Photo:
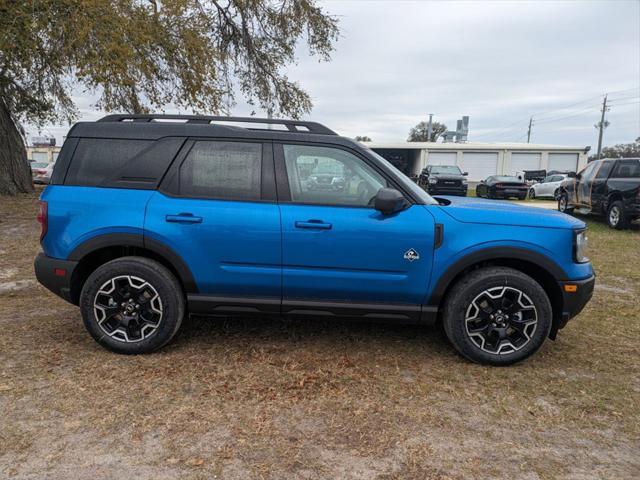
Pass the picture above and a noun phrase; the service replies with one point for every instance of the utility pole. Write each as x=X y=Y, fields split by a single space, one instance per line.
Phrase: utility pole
x=601 y=126
x=430 y=127
x=529 y=131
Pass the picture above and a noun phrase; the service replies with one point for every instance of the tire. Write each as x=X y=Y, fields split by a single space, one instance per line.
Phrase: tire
x=462 y=315
x=616 y=217
x=532 y=194
x=563 y=203
x=108 y=305
x=556 y=194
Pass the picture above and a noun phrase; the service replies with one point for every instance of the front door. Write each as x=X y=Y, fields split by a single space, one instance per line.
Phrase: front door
x=584 y=183
x=217 y=210
x=336 y=248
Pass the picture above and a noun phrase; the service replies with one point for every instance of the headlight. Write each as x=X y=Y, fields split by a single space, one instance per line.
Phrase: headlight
x=580 y=247
x=433 y=181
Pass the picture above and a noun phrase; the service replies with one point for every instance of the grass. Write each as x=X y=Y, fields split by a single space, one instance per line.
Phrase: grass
x=247 y=398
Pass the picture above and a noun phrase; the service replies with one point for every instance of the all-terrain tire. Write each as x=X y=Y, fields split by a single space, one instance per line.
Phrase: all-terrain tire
x=616 y=217
x=563 y=203
x=461 y=301
x=132 y=279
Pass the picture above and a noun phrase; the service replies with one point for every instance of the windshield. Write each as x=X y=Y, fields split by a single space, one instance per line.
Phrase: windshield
x=446 y=169
x=406 y=181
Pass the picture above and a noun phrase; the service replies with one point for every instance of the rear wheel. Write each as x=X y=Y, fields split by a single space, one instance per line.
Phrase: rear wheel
x=497 y=316
x=563 y=203
x=616 y=217
x=132 y=305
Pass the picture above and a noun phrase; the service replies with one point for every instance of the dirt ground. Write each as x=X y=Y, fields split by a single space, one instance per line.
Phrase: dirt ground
x=253 y=399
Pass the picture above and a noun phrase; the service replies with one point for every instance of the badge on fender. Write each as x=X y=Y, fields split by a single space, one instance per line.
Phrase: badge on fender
x=411 y=255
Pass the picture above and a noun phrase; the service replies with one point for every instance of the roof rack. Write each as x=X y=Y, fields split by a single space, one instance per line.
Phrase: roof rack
x=294 y=126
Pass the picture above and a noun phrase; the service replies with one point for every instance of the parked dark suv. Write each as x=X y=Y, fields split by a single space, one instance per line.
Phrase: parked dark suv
x=146 y=221
x=444 y=180
x=610 y=186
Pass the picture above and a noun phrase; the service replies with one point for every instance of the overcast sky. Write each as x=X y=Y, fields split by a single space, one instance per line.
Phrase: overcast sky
x=498 y=62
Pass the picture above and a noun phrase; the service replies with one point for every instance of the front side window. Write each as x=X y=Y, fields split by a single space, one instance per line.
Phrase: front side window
x=223 y=170
x=330 y=176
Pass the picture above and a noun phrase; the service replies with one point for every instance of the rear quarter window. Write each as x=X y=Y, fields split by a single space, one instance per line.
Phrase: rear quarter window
x=95 y=160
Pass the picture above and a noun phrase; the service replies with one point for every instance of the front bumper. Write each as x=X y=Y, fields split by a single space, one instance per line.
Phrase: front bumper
x=55 y=275
x=574 y=302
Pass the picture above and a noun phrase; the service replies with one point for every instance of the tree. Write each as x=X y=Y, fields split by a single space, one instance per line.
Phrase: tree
x=363 y=138
x=140 y=55
x=419 y=132
x=622 y=150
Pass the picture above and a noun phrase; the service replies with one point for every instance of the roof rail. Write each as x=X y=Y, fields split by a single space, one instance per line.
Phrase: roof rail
x=294 y=126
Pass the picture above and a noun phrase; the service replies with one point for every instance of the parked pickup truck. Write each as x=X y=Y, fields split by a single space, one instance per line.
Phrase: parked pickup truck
x=150 y=218
x=610 y=186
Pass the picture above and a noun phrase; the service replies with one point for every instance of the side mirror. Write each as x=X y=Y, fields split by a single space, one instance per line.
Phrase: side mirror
x=572 y=175
x=389 y=201
x=465 y=173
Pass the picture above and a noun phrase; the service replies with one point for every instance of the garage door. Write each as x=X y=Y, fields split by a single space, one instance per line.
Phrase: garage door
x=563 y=161
x=441 y=158
x=524 y=161
x=480 y=165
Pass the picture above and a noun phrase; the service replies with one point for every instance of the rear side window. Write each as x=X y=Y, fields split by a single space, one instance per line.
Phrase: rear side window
x=627 y=169
x=224 y=170
x=96 y=159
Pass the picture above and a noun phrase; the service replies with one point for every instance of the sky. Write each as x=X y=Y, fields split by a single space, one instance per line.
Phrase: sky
x=498 y=62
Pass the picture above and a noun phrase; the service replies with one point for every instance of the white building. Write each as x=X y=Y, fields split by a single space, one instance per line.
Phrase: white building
x=482 y=159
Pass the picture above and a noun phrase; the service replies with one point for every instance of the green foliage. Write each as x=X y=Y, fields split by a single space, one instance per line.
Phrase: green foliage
x=419 y=132
x=622 y=150
x=363 y=138
x=139 y=55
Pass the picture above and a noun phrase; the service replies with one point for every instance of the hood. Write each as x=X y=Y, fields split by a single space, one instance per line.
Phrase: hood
x=478 y=210
x=447 y=176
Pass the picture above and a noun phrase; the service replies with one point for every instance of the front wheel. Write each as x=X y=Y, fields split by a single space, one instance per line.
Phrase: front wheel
x=132 y=305
x=616 y=217
x=563 y=203
x=497 y=316
x=532 y=194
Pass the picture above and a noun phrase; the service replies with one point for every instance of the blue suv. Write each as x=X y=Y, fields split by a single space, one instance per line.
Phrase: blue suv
x=149 y=218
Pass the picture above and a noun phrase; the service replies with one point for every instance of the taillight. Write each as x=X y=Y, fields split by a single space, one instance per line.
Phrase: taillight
x=43 y=218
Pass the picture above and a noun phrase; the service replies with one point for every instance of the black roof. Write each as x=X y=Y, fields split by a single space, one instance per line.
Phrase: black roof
x=153 y=127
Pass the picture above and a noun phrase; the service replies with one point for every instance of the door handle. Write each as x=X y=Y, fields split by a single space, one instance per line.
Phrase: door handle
x=183 y=218
x=314 y=225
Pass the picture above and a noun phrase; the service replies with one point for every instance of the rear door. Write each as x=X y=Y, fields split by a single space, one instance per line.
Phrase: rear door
x=217 y=210
x=599 y=189
x=337 y=249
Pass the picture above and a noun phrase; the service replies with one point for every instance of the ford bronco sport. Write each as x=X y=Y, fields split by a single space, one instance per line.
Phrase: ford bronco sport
x=149 y=218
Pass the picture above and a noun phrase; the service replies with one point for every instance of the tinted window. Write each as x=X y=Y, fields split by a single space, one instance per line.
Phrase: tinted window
x=557 y=178
x=604 y=170
x=627 y=169
x=330 y=176
x=228 y=170
x=96 y=160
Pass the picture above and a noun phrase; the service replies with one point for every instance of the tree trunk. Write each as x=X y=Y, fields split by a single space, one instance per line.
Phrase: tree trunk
x=15 y=173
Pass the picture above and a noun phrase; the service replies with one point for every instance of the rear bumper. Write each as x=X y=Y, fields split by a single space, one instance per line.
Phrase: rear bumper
x=574 y=302
x=55 y=275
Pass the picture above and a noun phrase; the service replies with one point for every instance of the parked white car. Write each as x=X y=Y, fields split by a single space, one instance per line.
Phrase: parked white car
x=43 y=175
x=547 y=188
